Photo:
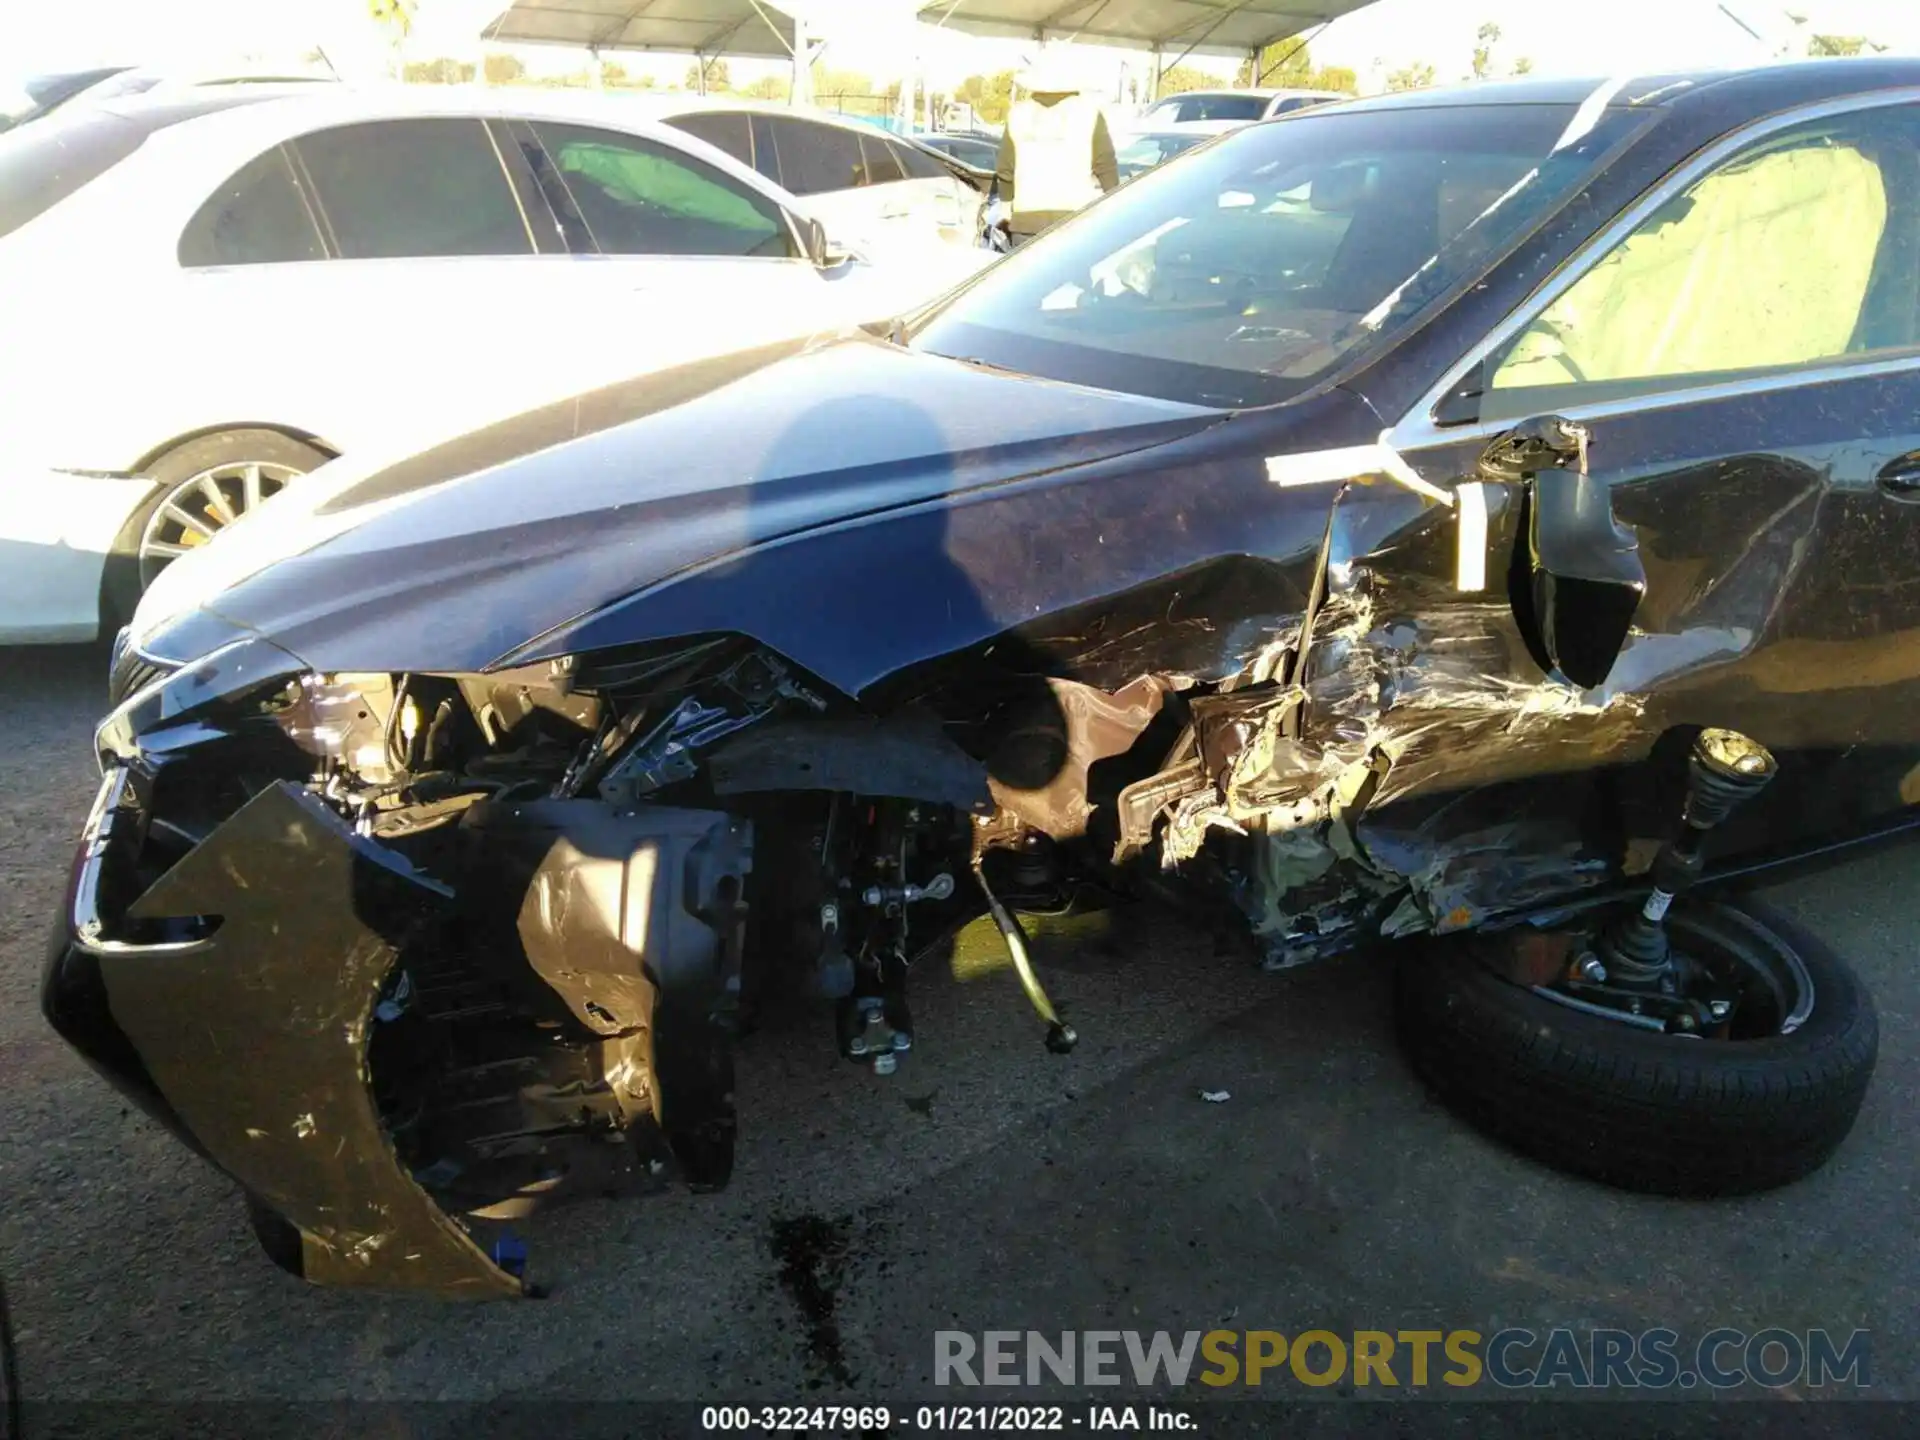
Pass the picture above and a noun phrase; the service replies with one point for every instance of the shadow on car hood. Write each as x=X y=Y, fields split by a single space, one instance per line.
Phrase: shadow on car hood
x=452 y=558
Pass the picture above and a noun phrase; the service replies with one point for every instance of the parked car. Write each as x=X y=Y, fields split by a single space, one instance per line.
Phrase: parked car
x=293 y=272
x=1238 y=107
x=1489 y=581
x=36 y=95
x=40 y=95
x=977 y=152
x=886 y=194
x=1143 y=152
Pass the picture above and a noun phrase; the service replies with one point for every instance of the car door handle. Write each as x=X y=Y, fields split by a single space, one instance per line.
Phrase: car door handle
x=1902 y=477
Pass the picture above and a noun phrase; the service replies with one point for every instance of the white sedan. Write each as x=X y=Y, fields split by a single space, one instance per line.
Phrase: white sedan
x=210 y=295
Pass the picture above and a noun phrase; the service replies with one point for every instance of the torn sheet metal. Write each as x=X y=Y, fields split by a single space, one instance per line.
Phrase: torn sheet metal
x=1085 y=725
x=633 y=920
x=258 y=1037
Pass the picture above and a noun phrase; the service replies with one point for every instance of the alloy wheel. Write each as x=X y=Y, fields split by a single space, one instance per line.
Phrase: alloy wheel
x=203 y=505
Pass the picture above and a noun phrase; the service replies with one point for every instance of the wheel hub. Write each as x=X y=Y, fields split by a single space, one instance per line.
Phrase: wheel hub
x=202 y=505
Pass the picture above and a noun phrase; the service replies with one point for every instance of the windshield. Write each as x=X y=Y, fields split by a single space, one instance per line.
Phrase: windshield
x=1182 y=109
x=1255 y=267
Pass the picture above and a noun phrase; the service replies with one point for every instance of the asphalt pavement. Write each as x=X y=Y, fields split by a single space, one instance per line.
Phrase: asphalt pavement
x=987 y=1186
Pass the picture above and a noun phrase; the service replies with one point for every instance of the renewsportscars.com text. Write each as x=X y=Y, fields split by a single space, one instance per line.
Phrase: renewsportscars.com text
x=1602 y=1359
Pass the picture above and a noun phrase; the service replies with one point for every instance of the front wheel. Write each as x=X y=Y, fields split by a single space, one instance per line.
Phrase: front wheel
x=204 y=486
x=1758 y=1100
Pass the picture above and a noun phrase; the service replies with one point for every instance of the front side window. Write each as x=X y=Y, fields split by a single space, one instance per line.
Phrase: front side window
x=412 y=188
x=917 y=164
x=724 y=130
x=766 y=149
x=639 y=197
x=257 y=217
x=818 y=159
x=1801 y=250
x=879 y=164
x=1263 y=262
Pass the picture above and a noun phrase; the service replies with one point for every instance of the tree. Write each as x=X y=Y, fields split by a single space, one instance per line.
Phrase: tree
x=396 y=18
x=990 y=96
x=840 y=82
x=437 y=72
x=716 y=68
x=769 y=87
x=1840 y=45
x=1523 y=66
x=1417 y=76
x=1287 y=65
x=1178 y=79
x=503 y=70
x=1488 y=35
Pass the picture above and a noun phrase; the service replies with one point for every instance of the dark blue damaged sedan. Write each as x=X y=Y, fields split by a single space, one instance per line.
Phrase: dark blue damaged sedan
x=1481 y=521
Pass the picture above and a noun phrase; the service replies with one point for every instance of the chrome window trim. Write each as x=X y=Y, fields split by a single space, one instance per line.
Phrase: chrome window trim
x=1416 y=429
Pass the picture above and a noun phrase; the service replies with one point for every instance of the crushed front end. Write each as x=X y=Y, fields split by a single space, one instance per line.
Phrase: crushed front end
x=383 y=949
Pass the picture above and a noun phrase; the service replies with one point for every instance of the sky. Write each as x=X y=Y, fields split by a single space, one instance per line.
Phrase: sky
x=878 y=37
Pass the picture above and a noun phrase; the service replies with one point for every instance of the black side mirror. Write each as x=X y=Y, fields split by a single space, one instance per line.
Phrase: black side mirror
x=1576 y=579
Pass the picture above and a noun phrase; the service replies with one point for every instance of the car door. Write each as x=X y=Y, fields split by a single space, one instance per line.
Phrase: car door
x=1744 y=347
x=678 y=259
x=371 y=283
x=949 y=204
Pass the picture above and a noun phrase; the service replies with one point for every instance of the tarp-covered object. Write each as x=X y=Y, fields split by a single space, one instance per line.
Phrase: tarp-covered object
x=694 y=27
x=1199 y=27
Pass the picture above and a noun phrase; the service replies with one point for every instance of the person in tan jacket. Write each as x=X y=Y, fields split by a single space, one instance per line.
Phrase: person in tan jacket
x=1056 y=154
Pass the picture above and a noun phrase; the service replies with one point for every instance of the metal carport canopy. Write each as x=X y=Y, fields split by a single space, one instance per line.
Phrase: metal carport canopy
x=693 y=27
x=1191 y=27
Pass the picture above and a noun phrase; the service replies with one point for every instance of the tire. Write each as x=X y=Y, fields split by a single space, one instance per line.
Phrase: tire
x=179 y=471
x=1640 y=1110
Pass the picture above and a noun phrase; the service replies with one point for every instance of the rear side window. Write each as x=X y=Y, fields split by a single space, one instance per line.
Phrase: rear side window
x=412 y=188
x=43 y=163
x=880 y=165
x=815 y=159
x=730 y=133
x=257 y=217
x=639 y=197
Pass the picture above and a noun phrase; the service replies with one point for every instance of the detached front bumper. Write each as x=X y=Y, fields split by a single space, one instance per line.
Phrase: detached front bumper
x=247 y=1034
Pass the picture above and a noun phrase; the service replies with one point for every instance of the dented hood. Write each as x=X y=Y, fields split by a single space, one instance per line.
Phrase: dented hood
x=465 y=555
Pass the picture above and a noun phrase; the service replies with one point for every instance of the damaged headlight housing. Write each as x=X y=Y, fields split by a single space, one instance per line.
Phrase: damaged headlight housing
x=343 y=718
x=221 y=675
